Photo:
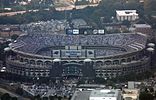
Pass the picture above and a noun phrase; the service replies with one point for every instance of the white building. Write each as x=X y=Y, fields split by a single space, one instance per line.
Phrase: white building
x=129 y=15
x=105 y=94
x=130 y=94
x=133 y=84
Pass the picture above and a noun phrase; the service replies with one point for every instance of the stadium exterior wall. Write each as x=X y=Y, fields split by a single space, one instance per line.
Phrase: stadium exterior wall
x=106 y=67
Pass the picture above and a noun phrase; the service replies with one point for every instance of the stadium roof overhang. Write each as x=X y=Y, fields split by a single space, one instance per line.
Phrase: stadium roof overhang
x=150 y=49
x=7 y=49
x=56 y=60
x=151 y=44
x=87 y=60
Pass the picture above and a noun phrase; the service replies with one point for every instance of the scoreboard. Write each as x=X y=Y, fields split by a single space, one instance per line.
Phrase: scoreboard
x=84 y=31
x=72 y=31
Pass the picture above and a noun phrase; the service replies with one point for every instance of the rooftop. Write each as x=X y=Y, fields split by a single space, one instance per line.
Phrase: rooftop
x=130 y=93
x=126 y=12
x=104 y=93
x=142 y=26
x=81 y=95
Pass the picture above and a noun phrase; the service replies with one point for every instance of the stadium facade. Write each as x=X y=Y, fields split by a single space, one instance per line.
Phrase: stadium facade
x=62 y=55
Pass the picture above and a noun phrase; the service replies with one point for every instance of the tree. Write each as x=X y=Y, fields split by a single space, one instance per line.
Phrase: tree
x=38 y=97
x=148 y=74
x=151 y=89
x=59 y=98
x=6 y=96
x=146 y=96
x=70 y=97
x=19 y=91
x=110 y=83
x=126 y=23
x=99 y=80
x=155 y=94
x=45 y=98
x=14 y=36
x=51 y=97
x=14 y=98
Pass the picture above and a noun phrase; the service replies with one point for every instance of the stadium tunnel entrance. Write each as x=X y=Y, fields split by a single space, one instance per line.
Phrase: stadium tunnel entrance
x=72 y=70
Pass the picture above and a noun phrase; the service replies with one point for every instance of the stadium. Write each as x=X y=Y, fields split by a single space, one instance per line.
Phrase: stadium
x=88 y=56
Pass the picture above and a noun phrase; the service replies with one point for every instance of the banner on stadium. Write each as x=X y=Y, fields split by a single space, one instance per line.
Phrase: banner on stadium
x=56 y=53
x=90 y=53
